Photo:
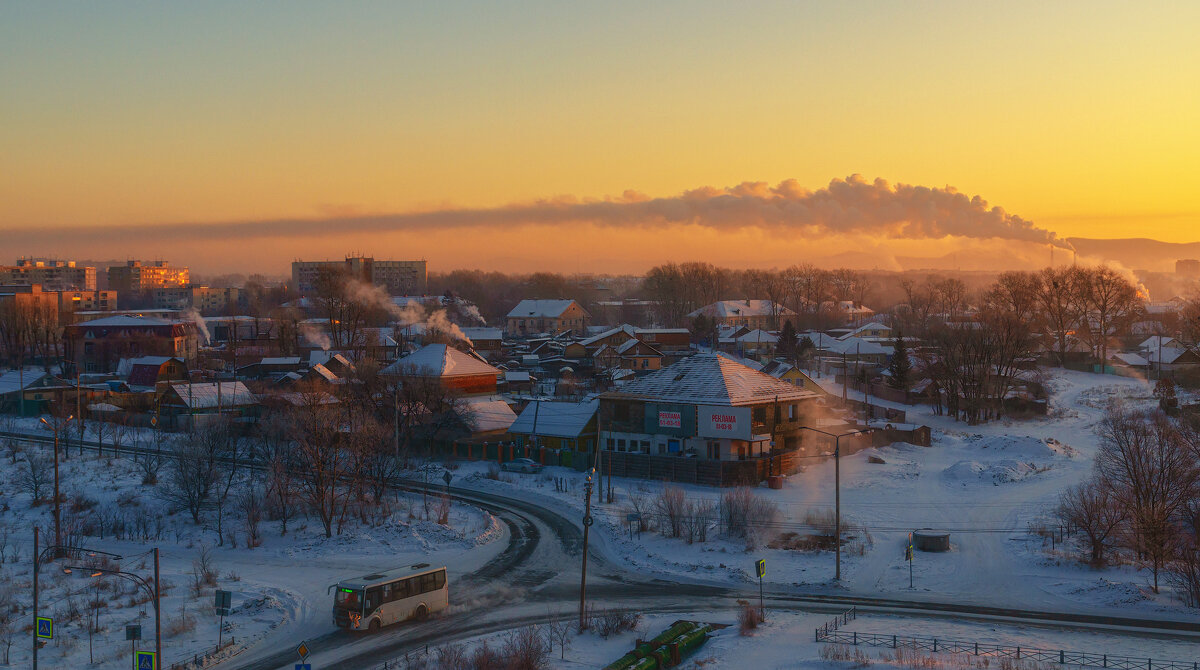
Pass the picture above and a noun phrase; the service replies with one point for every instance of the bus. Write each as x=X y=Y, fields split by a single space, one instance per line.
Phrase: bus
x=381 y=599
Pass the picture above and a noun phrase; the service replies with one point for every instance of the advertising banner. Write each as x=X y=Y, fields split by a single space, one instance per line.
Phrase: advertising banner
x=728 y=422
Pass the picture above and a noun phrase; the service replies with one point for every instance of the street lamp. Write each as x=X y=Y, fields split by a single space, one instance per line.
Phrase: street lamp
x=39 y=557
x=57 y=511
x=587 y=523
x=837 y=493
x=151 y=591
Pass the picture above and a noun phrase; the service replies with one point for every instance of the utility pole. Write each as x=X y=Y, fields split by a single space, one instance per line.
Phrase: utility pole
x=57 y=504
x=37 y=559
x=837 y=493
x=587 y=523
x=157 y=614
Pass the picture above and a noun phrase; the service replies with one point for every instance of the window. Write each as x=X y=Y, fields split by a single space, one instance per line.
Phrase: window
x=610 y=444
x=621 y=445
x=791 y=412
x=645 y=446
x=714 y=449
x=760 y=414
x=373 y=597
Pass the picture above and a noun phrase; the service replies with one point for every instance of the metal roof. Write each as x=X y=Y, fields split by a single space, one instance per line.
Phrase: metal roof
x=711 y=379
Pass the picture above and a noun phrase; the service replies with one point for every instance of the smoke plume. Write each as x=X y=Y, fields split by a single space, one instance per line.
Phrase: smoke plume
x=193 y=315
x=315 y=336
x=846 y=206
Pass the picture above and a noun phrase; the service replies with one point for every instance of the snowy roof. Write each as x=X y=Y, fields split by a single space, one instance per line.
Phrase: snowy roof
x=204 y=395
x=324 y=372
x=1169 y=355
x=10 y=380
x=516 y=376
x=123 y=320
x=712 y=379
x=280 y=360
x=321 y=356
x=874 y=325
x=626 y=328
x=735 y=308
x=1130 y=359
x=855 y=346
x=1156 y=341
x=547 y=309
x=480 y=333
x=484 y=415
x=758 y=336
x=440 y=360
x=555 y=419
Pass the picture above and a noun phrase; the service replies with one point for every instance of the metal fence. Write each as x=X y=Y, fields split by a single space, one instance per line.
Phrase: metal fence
x=829 y=632
x=831 y=626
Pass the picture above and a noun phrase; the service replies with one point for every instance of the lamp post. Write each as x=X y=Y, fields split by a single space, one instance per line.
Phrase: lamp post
x=587 y=523
x=837 y=493
x=38 y=557
x=57 y=510
x=152 y=592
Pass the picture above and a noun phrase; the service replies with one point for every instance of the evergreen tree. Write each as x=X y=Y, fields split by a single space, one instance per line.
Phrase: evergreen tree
x=787 y=339
x=900 y=366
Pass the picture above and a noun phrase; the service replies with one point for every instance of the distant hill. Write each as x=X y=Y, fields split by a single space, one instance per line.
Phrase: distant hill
x=1137 y=253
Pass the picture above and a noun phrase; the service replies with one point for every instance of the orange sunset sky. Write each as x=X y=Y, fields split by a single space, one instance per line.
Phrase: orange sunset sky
x=1078 y=118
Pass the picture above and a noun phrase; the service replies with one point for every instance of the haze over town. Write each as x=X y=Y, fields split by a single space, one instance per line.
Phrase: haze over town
x=519 y=336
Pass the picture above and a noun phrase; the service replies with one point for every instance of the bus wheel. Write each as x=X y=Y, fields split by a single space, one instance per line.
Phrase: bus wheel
x=373 y=627
x=422 y=613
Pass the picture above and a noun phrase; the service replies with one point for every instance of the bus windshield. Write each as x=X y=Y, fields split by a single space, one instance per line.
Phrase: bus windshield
x=348 y=599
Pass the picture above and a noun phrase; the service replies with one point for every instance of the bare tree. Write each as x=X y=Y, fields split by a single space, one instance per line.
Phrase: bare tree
x=193 y=471
x=35 y=476
x=560 y=630
x=1112 y=305
x=1091 y=507
x=324 y=440
x=1145 y=460
x=1061 y=297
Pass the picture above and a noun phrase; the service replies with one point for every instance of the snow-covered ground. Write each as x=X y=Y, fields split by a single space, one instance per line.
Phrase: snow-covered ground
x=986 y=484
x=277 y=587
x=787 y=640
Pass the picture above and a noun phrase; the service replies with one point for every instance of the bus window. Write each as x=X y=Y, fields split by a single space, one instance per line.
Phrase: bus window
x=373 y=598
x=441 y=579
x=388 y=593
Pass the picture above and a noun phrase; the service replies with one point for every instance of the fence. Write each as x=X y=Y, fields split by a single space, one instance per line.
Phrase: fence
x=831 y=626
x=829 y=632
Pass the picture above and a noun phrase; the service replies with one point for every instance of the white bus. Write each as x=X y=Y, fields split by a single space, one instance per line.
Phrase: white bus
x=383 y=598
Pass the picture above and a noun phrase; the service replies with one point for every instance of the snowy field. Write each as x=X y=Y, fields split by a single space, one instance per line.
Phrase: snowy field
x=278 y=587
x=987 y=484
x=786 y=641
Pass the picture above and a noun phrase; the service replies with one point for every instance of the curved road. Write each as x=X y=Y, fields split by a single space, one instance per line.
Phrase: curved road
x=539 y=571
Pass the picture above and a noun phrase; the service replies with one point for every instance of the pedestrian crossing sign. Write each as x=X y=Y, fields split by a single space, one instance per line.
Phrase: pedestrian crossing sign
x=45 y=627
x=145 y=660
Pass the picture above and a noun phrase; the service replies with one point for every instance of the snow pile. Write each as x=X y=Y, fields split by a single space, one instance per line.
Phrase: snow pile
x=999 y=472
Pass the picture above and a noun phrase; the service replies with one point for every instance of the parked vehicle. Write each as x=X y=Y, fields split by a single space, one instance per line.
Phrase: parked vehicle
x=526 y=465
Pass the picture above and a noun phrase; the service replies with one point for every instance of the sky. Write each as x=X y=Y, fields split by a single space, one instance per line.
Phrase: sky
x=1078 y=117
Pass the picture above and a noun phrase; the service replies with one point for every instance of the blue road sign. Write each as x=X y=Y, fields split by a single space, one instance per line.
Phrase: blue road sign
x=304 y=666
x=144 y=660
x=45 y=627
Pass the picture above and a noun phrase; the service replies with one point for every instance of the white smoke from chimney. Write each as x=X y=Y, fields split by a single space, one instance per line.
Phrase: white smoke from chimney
x=193 y=315
x=315 y=336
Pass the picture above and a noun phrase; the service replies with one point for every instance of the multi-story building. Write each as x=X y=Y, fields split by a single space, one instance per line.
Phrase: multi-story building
x=206 y=299
x=531 y=317
x=51 y=275
x=398 y=277
x=1188 y=267
x=707 y=406
x=749 y=313
x=137 y=278
x=100 y=344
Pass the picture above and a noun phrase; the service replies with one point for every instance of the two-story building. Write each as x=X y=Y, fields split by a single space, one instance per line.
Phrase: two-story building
x=705 y=406
x=531 y=317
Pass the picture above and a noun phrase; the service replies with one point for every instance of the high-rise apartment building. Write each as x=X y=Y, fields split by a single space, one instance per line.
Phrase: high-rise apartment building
x=51 y=275
x=138 y=277
x=398 y=277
